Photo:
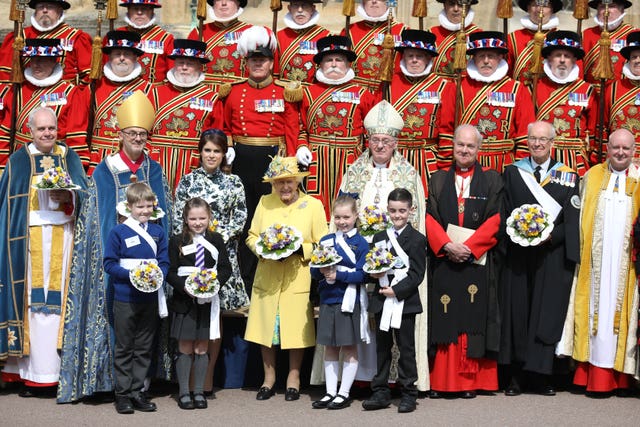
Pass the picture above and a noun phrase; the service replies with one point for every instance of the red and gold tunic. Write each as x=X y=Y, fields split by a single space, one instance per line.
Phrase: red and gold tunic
x=62 y=97
x=520 y=44
x=107 y=98
x=332 y=119
x=419 y=101
x=590 y=38
x=76 y=62
x=222 y=43
x=296 y=48
x=621 y=106
x=157 y=44
x=501 y=111
x=367 y=38
x=181 y=116
x=446 y=45
x=572 y=110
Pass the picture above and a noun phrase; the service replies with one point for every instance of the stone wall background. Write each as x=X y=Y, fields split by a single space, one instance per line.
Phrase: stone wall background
x=178 y=16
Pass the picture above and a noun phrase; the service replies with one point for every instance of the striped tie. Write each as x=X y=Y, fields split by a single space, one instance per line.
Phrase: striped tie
x=199 y=255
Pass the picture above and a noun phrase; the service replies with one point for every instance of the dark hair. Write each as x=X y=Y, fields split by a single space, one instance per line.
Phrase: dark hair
x=400 y=195
x=195 y=202
x=346 y=200
x=216 y=137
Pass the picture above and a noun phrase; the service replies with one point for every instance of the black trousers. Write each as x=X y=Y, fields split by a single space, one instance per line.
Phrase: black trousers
x=135 y=326
x=407 y=369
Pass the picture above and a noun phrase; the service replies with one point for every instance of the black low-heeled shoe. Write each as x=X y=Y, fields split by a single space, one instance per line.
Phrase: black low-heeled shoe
x=185 y=402
x=199 y=401
x=265 y=393
x=291 y=394
x=343 y=403
x=323 y=402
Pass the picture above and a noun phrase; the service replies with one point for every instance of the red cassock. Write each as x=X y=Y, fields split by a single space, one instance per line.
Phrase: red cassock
x=420 y=101
x=622 y=103
x=332 y=120
x=367 y=38
x=76 y=62
x=590 y=38
x=501 y=111
x=446 y=45
x=156 y=44
x=572 y=109
x=182 y=114
x=108 y=97
x=520 y=44
x=62 y=97
x=296 y=48
x=222 y=44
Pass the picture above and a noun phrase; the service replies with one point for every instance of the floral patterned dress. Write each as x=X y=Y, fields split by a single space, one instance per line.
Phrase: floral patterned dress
x=225 y=195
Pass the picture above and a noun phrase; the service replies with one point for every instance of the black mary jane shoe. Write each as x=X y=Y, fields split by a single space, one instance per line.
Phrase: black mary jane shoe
x=344 y=402
x=323 y=402
x=265 y=393
x=185 y=402
x=291 y=394
x=199 y=401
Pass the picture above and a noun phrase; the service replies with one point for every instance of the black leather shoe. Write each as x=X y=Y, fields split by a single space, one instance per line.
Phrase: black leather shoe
x=291 y=394
x=434 y=394
x=513 y=389
x=323 y=402
x=339 y=402
x=124 y=405
x=378 y=400
x=199 y=401
x=469 y=394
x=407 y=404
x=185 y=402
x=265 y=393
x=142 y=404
x=547 y=390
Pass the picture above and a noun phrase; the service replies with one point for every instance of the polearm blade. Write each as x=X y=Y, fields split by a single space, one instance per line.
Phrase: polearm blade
x=276 y=6
x=18 y=8
x=580 y=12
x=504 y=11
x=603 y=71
x=348 y=10
x=96 y=68
x=201 y=13
x=419 y=11
x=536 y=55
x=460 y=59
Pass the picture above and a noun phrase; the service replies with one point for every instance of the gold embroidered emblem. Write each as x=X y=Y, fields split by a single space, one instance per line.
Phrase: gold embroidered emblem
x=297 y=61
x=558 y=111
x=413 y=121
x=331 y=109
x=561 y=125
x=47 y=162
x=179 y=112
x=223 y=53
x=11 y=337
x=632 y=111
x=485 y=111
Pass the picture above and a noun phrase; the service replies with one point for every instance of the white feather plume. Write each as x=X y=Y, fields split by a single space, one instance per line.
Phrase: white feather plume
x=254 y=37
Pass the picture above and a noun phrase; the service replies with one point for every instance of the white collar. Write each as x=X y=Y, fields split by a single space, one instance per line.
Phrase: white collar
x=360 y=11
x=543 y=166
x=571 y=77
x=611 y=25
x=399 y=232
x=498 y=74
x=108 y=73
x=54 y=78
x=406 y=72
x=211 y=15
x=289 y=22
x=39 y=27
x=626 y=70
x=34 y=150
x=149 y=24
x=322 y=79
x=349 y=233
x=444 y=21
x=530 y=25
x=172 y=79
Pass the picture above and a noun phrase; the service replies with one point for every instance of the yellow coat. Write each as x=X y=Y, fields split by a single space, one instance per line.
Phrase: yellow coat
x=284 y=284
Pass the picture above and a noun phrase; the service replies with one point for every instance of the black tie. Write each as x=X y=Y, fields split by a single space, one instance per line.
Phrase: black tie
x=537 y=173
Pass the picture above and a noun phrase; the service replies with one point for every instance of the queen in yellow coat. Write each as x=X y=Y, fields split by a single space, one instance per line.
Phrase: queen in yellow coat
x=280 y=312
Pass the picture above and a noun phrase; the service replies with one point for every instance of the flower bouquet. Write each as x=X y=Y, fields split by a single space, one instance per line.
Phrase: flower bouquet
x=123 y=209
x=55 y=178
x=278 y=241
x=146 y=276
x=378 y=260
x=324 y=256
x=372 y=221
x=529 y=225
x=202 y=283
x=213 y=225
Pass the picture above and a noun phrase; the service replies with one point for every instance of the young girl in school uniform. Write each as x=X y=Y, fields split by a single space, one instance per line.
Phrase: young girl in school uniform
x=192 y=318
x=342 y=296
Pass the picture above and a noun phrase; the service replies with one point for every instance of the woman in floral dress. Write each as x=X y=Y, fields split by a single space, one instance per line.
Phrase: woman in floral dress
x=225 y=195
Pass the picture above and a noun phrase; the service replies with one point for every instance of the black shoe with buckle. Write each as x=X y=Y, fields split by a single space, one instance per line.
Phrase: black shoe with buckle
x=323 y=402
x=291 y=394
x=407 y=404
x=378 y=400
x=124 y=405
x=185 y=402
x=141 y=403
x=199 y=401
x=265 y=393
x=339 y=402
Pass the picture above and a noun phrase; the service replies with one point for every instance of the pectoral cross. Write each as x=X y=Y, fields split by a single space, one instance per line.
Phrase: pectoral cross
x=445 y=300
x=472 y=289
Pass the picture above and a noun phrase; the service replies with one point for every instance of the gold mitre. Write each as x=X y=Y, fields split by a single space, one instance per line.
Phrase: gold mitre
x=136 y=111
x=383 y=119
